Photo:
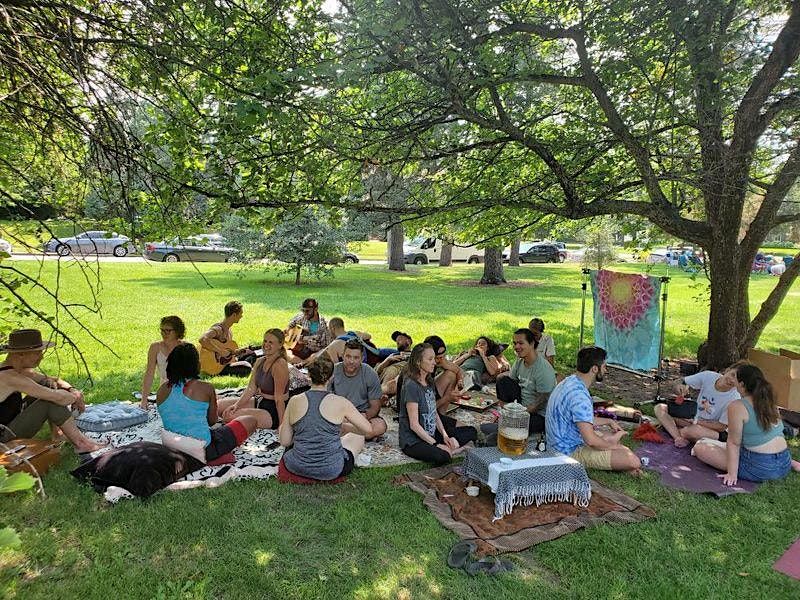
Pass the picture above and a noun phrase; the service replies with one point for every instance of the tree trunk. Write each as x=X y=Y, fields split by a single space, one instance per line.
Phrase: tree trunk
x=395 y=238
x=446 y=259
x=771 y=305
x=729 y=314
x=297 y=273
x=493 y=266
x=513 y=259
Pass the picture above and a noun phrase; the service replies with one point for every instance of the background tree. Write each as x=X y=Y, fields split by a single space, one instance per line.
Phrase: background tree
x=674 y=112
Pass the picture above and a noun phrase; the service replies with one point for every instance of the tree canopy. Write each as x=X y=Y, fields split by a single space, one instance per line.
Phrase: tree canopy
x=493 y=114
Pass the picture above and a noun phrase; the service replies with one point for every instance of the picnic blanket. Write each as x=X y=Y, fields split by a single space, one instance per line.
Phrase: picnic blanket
x=682 y=471
x=471 y=518
x=256 y=458
x=789 y=563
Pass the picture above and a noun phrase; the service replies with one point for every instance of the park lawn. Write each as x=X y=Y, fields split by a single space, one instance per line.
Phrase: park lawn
x=367 y=538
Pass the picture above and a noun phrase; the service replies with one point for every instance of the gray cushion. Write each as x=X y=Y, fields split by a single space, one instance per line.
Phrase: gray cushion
x=110 y=415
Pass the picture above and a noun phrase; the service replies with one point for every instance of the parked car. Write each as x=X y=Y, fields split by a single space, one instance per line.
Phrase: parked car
x=5 y=246
x=539 y=252
x=92 y=242
x=205 y=248
x=348 y=258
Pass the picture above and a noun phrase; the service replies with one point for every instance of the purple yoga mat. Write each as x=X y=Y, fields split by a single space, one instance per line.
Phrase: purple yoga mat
x=682 y=471
x=789 y=563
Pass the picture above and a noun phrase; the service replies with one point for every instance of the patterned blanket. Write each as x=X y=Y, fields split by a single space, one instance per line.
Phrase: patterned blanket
x=258 y=457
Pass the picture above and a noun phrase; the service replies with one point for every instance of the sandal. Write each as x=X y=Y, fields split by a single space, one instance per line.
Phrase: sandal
x=460 y=553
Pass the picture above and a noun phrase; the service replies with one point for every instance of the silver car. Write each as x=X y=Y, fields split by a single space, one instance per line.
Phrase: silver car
x=92 y=242
x=210 y=248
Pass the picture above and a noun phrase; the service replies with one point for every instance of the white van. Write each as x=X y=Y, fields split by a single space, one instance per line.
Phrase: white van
x=421 y=251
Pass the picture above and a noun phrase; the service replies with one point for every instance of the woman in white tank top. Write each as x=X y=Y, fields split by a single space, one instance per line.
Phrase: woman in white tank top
x=172 y=333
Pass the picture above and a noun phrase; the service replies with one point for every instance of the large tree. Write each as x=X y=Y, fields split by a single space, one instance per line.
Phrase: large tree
x=680 y=112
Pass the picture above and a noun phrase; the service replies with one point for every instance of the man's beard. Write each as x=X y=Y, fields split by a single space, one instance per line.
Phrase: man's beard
x=403 y=347
x=599 y=377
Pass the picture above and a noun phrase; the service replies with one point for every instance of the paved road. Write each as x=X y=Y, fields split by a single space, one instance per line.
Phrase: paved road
x=124 y=259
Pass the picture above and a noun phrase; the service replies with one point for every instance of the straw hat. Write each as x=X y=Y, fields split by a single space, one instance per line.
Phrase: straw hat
x=25 y=340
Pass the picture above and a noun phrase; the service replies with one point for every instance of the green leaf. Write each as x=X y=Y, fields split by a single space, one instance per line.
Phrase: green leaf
x=9 y=538
x=15 y=483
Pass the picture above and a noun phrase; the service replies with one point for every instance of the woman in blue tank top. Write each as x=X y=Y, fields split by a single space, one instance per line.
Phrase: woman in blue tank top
x=311 y=429
x=188 y=406
x=756 y=449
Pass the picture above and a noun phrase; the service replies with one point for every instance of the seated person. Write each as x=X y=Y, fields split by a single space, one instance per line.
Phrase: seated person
x=542 y=342
x=778 y=267
x=423 y=434
x=172 y=332
x=359 y=383
x=266 y=393
x=756 y=449
x=188 y=406
x=448 y=378
x=311 y=431
x=570 y=420
x=530 y=380
x=315 y=333
x=395 y=362
x=340 y=335
x=716 y=392
x=402 y=341
x=47 y=399
x=219 y=353
x=485 y=358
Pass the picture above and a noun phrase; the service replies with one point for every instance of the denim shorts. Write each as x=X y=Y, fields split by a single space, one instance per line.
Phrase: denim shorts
x=757 y=466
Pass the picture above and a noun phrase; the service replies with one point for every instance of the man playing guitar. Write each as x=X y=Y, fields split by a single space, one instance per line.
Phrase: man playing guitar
x=219 y=353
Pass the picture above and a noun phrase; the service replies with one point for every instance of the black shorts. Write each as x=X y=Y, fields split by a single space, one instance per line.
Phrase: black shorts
x=223 y=440
x=723 y=436
x=349 y=463
x=269 y=406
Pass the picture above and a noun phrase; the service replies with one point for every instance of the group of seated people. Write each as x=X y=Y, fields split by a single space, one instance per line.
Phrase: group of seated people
x=324 y=425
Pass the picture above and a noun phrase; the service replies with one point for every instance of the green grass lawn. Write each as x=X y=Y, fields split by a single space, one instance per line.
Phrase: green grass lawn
x=367 y=538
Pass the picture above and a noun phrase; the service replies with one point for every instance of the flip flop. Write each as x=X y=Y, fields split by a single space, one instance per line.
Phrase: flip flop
x=459 y=553
x=490 y=565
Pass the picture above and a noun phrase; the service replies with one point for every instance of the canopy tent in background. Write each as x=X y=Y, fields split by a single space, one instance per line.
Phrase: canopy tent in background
x=627 y=320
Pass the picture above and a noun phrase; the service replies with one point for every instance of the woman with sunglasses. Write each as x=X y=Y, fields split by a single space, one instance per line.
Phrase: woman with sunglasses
x=172 y=333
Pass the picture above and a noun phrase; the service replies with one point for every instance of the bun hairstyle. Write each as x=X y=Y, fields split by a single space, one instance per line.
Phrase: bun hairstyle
x=320 y=369
x=761 y=394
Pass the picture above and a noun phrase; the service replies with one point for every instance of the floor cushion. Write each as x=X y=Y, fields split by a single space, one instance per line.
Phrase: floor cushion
x=286 y=476
x=110 y=415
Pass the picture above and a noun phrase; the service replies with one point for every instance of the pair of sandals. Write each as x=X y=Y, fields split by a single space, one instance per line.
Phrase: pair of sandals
x=460 y=557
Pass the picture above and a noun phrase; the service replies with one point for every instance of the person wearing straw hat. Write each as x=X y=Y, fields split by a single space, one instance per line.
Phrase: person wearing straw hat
x=46 y=398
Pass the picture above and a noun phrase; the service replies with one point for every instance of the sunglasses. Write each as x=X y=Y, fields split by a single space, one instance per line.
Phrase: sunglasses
x=165 y=330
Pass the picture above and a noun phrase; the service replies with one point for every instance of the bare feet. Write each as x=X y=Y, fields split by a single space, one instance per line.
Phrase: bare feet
x=680 y=442
x=796 y=466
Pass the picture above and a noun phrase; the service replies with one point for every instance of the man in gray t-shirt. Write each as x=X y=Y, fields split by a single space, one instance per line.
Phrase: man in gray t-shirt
x=359 y=383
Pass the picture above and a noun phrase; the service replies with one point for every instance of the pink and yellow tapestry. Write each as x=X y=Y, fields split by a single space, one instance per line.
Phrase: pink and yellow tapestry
x=627 y=321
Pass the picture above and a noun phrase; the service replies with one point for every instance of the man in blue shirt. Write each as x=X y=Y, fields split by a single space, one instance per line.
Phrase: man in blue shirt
x=570 y=420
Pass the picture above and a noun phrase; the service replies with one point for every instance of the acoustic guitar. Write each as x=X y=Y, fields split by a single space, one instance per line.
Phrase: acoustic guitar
x=212 y=363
